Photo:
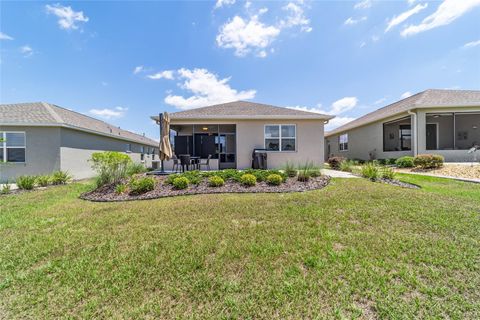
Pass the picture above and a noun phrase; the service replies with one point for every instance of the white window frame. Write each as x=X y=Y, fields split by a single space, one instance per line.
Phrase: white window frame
x=128 y=148
x=280 y=136
x=341 y=145
x=3 y=145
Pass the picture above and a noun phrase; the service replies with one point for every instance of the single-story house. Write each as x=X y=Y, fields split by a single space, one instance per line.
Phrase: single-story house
x=445 y=122
x=229 y=132
x=39 y=138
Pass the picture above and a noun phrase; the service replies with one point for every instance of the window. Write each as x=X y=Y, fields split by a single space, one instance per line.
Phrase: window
x=343 y=142
x=280 y=137
x=128 y=148
x=12 y=146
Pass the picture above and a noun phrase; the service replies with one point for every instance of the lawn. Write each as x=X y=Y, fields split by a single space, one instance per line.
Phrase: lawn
x=355 y=249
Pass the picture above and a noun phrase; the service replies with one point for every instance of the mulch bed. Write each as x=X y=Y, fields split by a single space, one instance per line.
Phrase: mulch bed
x=107 y=193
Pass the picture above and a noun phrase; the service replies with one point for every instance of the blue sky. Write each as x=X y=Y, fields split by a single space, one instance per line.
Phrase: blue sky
x=125 y=61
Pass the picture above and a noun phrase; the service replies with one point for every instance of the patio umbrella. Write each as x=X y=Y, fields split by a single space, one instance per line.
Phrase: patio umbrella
x=165 y=147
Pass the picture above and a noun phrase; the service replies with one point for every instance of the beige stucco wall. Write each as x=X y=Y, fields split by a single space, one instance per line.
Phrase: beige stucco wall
x=365 y=140
x=77 y=148
x=250 y=135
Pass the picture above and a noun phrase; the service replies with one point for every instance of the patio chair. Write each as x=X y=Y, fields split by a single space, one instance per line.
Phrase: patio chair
x=205 y=164
x=176 y=163
x=185 y=161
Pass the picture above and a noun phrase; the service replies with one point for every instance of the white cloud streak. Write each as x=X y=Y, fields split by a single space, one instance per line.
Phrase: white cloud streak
x=447 y=12
x=26 y=50
x=138 y=69
x=4 y=36
x=406 y=95
x=221 y=3
x=472 y=44
x=67 y=18
x=365 y=4
x=167 y=74
x=352 y=21
x=404 y=16
x=206 y=89
x=106 y=113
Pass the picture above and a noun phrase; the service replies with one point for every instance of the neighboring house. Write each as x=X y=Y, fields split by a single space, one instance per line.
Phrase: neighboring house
x=445 y=122
x=39 y=138
x=231 y=131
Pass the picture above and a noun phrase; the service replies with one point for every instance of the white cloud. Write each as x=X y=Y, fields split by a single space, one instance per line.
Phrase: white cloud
x=68 y=18
x=363 y=44
x=406 y=95
x=318 y=109
x=404 y=16
x=352 y=21
x=250 y=35
x=411 y=2
x=245 y=36
x=337 y=122
x=365 y=4
x=375 y=38
x=138 y=69
x=206 y=88
x=27 y=51
x=4 y=36
x=472 y=44
x=380 y=101
x=106 y=113
x=447 y=12
x=344 y=105
x=167 y=74
x=296 y=17
x=221 y=3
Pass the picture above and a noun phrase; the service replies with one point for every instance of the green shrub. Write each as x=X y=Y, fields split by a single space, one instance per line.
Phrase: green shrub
x=290 y=170
x=334 y=162
x=370 y=171
x=428 y=161
x=382 y=162
x=5 y=189
x=43 y=181
x=303 y=176
x=261 y=175
x=346 y=165
x=26 y=182
x=135 y=168
x=404 y=162
x=180 y=183
x=391 y=161
x=215 y=181
x=315 y=172
x=121 y=188
x=387 y=173
x=139 y=185
x=110 y=166
x=194 y=177
x=60 y=177
x=248 y=180
x=274 y=179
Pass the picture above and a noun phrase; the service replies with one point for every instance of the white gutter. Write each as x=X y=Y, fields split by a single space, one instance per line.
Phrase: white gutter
x=415 y=131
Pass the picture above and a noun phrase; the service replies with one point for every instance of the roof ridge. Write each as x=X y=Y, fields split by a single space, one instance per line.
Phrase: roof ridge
x=55 y=115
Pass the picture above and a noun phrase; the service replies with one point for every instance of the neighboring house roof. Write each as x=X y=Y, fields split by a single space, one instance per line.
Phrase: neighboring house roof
x=432 y=98
x=46 y=114
x=244 y=110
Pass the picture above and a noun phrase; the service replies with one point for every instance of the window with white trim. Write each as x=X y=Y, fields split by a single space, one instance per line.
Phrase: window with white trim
x=128 y=147
x=343 y=142
x=280 y=137
x=12 y=146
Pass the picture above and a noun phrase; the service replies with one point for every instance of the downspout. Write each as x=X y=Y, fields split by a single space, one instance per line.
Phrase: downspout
x=415 y=135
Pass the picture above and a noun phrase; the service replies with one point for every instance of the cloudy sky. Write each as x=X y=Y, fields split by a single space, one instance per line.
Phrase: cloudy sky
x=126 y=61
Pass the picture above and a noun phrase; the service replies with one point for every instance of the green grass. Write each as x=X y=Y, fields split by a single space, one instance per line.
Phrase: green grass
x=355 y=249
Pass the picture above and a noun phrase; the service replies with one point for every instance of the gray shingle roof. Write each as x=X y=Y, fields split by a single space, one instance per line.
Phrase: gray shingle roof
x=244 y=110
x=40 y=113
x=424 y=99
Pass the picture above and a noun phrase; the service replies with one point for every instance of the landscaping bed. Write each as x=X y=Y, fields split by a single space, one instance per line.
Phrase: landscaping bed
x=449 y=170
x=163 y=189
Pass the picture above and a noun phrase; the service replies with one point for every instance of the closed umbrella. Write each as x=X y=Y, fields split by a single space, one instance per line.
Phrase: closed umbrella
x=165 y=147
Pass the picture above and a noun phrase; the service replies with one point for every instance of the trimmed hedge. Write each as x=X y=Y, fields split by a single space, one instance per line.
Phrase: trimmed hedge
x=274 y=179
x=141 y=185
x=180 y=183
x=215 y=181
x=428 y=161
x=248 y=180
x=404 y=162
